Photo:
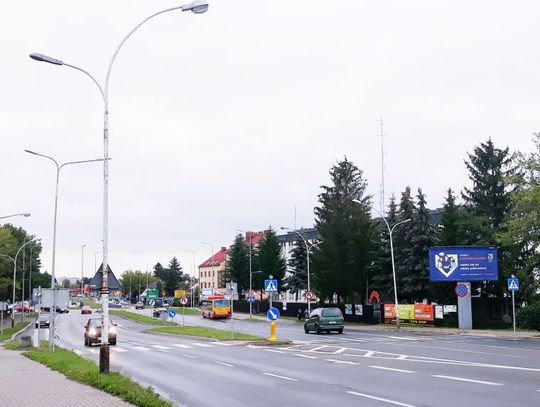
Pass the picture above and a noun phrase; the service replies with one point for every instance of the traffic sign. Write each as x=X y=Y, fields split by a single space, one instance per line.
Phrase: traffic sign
x=461 y=290
x=179 y=293
x=183 y=301
x=513 y=284
x=251 y=299
x=172 y=314
x=151 y=302
x=271 y=286
x=273 y=314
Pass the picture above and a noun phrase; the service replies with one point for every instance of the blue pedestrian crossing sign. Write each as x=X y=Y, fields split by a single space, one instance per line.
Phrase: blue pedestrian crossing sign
x=251 y=299
x=273 y=314
x=513 y=284
x=270 y=286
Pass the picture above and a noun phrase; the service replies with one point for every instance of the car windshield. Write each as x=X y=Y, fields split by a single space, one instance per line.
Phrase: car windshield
x=331 y=312
x=96 y=323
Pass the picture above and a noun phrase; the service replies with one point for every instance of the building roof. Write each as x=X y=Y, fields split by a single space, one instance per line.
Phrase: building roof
x=291 y=236
x=254 y=237
x=216 y=259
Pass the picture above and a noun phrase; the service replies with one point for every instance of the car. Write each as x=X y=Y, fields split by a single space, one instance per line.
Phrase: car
x=157 y=312
x=139 y=305
x=92 y=332
x=114 y=304
x=44 y=320
x=24 y=308
x=59 y=310
x=158 y=303
x=86 y=310
x=324 y=319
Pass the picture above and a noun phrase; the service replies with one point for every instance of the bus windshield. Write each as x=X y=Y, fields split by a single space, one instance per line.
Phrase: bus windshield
x=221 y=303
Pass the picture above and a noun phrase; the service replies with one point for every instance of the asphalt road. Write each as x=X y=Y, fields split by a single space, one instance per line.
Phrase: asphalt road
x=358 y=368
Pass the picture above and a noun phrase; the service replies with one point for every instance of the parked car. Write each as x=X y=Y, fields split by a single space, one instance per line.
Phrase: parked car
x=324 y=319
x=86 y=310
x=139 y=305
x=44 y=320
x=59 y=310
x=92 y=332
x=24 y=308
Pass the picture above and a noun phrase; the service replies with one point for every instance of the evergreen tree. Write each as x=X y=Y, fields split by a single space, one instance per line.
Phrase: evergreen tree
x=450 y=222
x=237 y=268
x=489 y=196
x=297 y=279
x=345 y=227
x=159 y=271
x=402 y=236
x=174 y=277
x=269 y=260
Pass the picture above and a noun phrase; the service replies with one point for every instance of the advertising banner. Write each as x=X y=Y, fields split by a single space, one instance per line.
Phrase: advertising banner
x=418 y=313
x=348 y=309
x=423 y=312
x=406 y=311
x=463 y=264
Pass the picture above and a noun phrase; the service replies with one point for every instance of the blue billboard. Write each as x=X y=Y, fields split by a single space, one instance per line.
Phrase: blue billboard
x=463 y=264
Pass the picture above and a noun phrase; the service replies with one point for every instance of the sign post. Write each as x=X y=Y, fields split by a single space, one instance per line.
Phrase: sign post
x=513 y=286
x=183 y=301
x=231 y=288
x=273 y=315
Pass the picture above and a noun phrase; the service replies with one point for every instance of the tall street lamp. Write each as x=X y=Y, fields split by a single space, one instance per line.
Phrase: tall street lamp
x=95 y=261
x=309 y=247
x=250 y=234
x=390 y=231
x=14 y=260
x=53 y=268
x=82 y=268
x=211 y=258
x=193 y=275
x=26 y=214
x=197 y=7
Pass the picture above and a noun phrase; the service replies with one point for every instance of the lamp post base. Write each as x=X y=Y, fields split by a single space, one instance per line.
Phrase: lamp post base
x=104 y=359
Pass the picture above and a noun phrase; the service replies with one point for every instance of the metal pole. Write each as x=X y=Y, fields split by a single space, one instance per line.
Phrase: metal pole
x=232 y=314
x=22 y=292
x=308 y=285
x=513 y=311
x=30 y=297
x=52 y=324
x=250 y=277
x=394 y=276
x=82 y=268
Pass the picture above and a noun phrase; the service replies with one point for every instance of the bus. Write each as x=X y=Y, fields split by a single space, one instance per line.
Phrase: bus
x=216 y=306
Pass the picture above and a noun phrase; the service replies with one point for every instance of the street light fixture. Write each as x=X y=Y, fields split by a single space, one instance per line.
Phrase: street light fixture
x=193 y=276
x=53 y=268
x=196 y=7
x=390 y=231
x=26 y=214
x=309 y=247
x=82 y=268
x=211 y=258
x=250 y=271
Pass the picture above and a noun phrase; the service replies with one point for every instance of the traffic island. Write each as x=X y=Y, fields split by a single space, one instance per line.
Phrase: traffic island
x=210 y=333
x=143 y=319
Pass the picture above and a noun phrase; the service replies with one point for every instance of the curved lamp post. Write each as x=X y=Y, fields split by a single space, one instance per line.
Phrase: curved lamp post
x=390 y=231
x=196 y=7
x=25 y=214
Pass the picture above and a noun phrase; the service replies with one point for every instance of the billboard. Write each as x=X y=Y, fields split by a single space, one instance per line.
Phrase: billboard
x=451 y=264
x=418 y=313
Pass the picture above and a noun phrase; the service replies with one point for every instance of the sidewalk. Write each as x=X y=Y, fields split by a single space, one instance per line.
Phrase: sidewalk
x=28 y=383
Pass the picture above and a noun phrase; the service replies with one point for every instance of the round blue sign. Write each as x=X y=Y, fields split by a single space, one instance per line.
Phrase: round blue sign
x=273 y=314
x=461 y=290
x=172 y=314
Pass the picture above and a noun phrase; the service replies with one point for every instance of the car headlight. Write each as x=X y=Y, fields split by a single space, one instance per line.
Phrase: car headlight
x=112 y=330
x=91 y=331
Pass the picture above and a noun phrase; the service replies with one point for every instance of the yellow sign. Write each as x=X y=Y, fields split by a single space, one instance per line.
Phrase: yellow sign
x=179 y=293
x=406 y=311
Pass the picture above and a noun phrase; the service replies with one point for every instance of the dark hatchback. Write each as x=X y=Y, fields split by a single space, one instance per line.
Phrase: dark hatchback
x=92 y=332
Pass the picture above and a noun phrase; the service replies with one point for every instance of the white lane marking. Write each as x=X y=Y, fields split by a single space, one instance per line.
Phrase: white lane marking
x=118 y=349
x=274 y=350
x=140 y=348
x=280 y=377
x=304 y=356
x=392 y=369
x=317 y=348
x=402 y=357
x=181 y=345
x=93 y=350
x=189 y=356
x=369 y=354
x=340 y=350
x=202 y=345
x=404 y=338
x=222 y=343
x=343 y=362
x=160 y=347
x=397 y=403
x=538 y=391
x=78 y=352
x=223 y=363
x=461 y=379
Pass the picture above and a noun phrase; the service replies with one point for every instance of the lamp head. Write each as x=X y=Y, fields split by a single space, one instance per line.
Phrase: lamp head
x=196 y=7
x=31 y=152
x=44 y=58
x=26 y=214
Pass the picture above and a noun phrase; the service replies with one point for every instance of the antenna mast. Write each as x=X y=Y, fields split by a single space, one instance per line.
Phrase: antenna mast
x=382 y=198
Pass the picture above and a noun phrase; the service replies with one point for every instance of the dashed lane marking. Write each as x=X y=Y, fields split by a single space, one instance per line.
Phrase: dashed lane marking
x=181 y=345
x=189 y=356
x=343 y=362
x=222 y=343
x=118 y=349
x=304 y=356
x=223 y=363
x=161 y=347
x=369 y=396
x=392 y=369
x=462 y=379
x=142 y=348
x=274 y=350
x=202 y=345
x=280 y=377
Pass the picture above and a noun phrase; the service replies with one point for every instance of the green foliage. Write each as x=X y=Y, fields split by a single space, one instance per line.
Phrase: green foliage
x=297 y=279
x=237 y=267
x=143 y=319
x=85 y=371
x=8 y=332
x=269 y=260
x=529 y=317
x=341 y=263
x=136 y=281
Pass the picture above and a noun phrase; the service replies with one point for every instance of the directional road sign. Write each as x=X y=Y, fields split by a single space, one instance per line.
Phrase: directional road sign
x=513 y=284
x=270 y=286
x=183 y=301
x=251 y=299
x=273 y=314
x=172 y=314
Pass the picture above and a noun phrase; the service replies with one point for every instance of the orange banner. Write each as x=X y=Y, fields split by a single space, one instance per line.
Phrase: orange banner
x=423 y=312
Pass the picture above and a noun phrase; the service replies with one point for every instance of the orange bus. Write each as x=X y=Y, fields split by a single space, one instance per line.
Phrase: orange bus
x=216 y=306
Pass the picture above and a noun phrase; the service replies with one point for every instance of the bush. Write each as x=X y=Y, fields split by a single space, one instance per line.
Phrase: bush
x=529 y=318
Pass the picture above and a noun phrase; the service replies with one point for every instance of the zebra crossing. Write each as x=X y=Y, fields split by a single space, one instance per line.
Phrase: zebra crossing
x=128 y=346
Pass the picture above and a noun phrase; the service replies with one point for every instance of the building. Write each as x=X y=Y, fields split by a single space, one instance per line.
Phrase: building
x=212 y=270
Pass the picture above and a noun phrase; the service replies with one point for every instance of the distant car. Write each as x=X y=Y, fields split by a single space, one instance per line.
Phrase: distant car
x=24 y=308
x=44 y=320
x=114 y=304
x=86 y=310
x=158 y=303
x=92 y=332
x=59 y=310
x=324 y=319
x=139 y=305
x=157 y=312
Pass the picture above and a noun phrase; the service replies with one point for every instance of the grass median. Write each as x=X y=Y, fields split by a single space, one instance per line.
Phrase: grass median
x=8 y=332
x=211 y=333
x=188 y=311
x=85 y=371
x=143 y=319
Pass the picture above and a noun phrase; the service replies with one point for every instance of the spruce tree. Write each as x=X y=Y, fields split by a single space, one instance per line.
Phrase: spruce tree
x=237 y=268
x=269 y=260
x=174 y=276
x=297 y=279
x=402 y=237
x=347 y=232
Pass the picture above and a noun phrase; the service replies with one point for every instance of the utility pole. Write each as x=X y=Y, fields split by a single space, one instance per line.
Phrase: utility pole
x=382 y=197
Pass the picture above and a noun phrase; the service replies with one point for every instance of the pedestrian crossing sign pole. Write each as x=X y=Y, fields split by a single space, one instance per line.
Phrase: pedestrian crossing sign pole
x=513 y=286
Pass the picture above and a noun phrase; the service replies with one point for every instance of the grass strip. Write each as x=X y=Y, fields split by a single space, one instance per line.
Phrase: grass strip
x=189 y=311
x=143 y=319
x=211 y=333
x=8 y=332
x=90 y=303
x=12 y=345
x=85 y=371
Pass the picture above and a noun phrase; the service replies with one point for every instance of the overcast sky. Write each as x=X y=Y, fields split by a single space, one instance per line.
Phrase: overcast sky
x=230 y=119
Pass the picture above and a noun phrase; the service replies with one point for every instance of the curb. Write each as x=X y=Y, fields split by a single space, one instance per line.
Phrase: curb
x=16 y=333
